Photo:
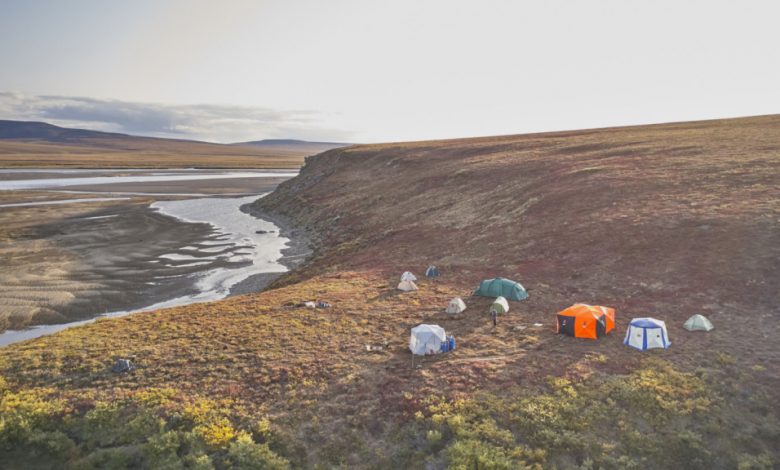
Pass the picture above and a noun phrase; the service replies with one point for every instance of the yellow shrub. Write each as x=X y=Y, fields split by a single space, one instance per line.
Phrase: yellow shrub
x=264 y=427
x=216 y=434
x=21 y=413
x=200 y=411
x=155 y=396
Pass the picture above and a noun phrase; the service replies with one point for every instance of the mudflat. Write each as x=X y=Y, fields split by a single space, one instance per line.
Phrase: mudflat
x=65 y=261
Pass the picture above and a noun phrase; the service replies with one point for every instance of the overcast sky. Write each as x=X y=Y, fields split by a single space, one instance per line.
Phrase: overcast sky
x=366 y=71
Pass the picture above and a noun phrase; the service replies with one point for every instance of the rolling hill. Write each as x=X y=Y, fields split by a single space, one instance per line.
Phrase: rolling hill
x=38 y=144
x=41 y=131
x=288 y=144
x=663 y=221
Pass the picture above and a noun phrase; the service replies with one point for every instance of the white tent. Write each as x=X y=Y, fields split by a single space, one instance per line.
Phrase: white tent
x=698 y=323
x=500 y=305
x=456 y=305
x=407 y=276
x=407 y=286
x=426 y=339
x=647 y=333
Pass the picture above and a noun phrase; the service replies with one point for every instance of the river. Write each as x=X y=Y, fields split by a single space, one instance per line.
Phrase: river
x=241 y=246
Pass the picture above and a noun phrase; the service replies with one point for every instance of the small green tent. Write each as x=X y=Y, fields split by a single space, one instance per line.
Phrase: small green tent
x=698 y=323
x=500 y=287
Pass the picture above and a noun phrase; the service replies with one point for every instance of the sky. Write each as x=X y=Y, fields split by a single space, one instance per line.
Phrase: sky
x=377 y=71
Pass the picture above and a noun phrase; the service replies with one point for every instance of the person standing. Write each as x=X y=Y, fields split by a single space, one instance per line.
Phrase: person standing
x=494 y=317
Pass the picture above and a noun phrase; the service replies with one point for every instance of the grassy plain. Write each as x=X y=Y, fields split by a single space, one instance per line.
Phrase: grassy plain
x=138 y=152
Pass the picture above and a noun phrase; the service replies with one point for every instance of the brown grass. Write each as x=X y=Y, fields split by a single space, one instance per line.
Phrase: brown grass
x=657 y=220
x=135 y=152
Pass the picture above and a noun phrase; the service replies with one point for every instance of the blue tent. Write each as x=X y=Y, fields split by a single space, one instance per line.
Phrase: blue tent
x=432 y=271
x=500 y=287
x=647 y=333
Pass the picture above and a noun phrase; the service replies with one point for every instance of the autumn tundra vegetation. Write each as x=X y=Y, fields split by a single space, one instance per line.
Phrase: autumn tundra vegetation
x=664 y=221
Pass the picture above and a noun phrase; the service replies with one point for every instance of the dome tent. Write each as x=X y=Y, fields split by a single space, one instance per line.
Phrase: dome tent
x=456 y=305
x=407 y=276
x=500 y=305
x=500 y=287
x=432 y=271
x=426 y=339
x=647 y=333
x=407 y=286
x=698 y=323
x=586 y=321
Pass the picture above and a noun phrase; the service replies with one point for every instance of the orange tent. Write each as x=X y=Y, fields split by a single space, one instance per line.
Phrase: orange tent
x=586 y=321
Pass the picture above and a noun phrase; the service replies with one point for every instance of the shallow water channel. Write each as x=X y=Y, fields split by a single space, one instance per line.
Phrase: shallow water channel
x=241 y=246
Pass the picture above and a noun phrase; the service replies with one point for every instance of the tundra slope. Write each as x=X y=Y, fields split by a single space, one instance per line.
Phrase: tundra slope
x=664 y=220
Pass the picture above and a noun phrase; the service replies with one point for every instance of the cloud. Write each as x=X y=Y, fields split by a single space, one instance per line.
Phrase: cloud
x=214 y=123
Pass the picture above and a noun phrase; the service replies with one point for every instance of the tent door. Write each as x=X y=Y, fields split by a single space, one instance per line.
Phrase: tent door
x=566 y=325
x=601 y=326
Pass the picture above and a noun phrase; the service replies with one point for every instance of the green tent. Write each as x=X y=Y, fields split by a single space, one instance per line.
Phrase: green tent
x=500 y=287
x=698 y=323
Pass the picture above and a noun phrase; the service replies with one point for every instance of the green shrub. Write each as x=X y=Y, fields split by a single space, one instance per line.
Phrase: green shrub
x=755 y=462
x=656 y=416
x=473 y=454
x=145 y=430
x=116 y=458
x=25 y=414
x=245 y=454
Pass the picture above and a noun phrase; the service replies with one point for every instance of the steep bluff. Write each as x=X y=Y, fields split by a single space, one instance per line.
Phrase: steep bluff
x=677 y=218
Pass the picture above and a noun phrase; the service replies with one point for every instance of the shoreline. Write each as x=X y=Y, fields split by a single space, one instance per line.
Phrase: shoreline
x=95 y=261
x=295 y=254
x=114 y=259
x=299 y=250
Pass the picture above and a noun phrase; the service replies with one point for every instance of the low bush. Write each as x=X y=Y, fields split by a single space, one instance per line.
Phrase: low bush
x=655 y=417
x=147 y=429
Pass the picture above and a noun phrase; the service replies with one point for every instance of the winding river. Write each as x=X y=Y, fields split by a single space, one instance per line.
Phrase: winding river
x=245 y=245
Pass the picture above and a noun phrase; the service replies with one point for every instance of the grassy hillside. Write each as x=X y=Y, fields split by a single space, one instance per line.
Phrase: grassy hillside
x=661 y=221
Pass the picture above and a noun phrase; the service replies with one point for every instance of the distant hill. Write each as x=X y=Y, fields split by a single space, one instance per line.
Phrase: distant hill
x=292 y=144
x=39 y=144
x=44 y=131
